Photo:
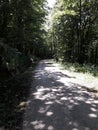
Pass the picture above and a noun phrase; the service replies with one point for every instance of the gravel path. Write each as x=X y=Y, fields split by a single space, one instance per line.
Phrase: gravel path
x=57 y=103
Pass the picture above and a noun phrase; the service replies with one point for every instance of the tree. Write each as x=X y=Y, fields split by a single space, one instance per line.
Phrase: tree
x=75 y=27
x=21 y=26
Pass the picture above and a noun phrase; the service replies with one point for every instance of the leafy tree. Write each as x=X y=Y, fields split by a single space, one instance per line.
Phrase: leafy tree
x=75 y=31
x=21 y=27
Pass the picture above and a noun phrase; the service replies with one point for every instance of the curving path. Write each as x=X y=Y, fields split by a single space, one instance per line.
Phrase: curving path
x=57 y=103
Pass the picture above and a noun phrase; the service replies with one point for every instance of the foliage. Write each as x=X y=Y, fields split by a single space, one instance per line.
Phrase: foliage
x=85 y=68
x=21 y=42
x=12 y=93
x=74 y=31
x=21 y=30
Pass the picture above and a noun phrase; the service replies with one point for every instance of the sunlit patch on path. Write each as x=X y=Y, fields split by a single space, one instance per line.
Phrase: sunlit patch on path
x=57 y=103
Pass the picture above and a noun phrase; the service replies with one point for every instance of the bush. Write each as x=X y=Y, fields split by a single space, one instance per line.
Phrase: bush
x=85 y=68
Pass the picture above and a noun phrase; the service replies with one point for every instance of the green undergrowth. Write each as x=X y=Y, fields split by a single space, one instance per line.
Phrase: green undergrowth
x=86 y=74
x=13 y=95
x=85 y=68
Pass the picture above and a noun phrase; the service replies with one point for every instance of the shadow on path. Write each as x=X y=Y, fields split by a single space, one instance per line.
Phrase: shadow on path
x=52 y=105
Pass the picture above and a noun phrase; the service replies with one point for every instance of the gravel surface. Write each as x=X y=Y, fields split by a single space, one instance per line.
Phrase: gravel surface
x=56 y=102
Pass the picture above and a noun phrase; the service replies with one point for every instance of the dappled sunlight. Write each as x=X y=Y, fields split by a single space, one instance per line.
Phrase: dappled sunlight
x=38 y=125
x=95 y=101
x=49 y=113
x=50 y=128
x=92 y=115
x=57 y=103
x=88 y=102
x=43 y=110
x=2 y=128
x=93 y=109
x=48 y=102
x=75 y=129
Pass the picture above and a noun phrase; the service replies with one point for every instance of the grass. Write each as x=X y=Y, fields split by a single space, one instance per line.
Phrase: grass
x=86 y=75
x=85 y=68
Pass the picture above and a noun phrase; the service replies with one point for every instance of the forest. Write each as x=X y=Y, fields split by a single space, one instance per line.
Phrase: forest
x=71 y=36
x=21 y=33
x=74 y=31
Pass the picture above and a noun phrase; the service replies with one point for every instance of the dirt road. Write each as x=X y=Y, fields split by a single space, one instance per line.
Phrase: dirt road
x=57 y=103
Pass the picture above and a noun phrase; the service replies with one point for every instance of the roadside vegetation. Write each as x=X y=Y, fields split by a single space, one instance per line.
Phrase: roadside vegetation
x=21 y=46
x=13 y=95
x=85 y=68
x=83 y=74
